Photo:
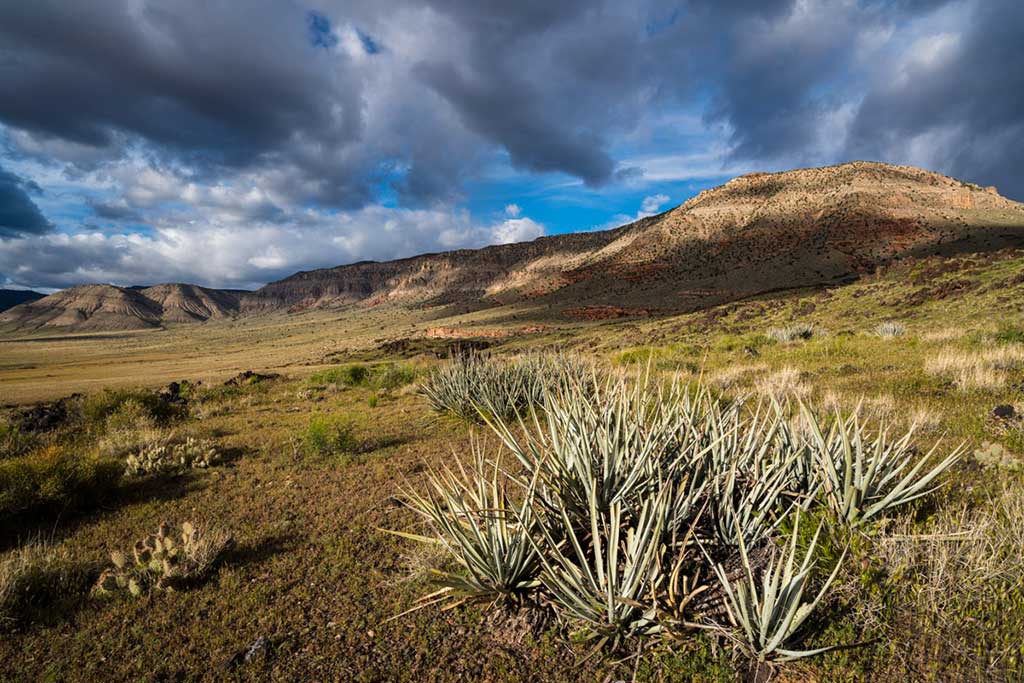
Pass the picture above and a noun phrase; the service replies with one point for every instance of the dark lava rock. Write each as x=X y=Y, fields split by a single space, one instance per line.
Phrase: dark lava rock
x=1004 y=412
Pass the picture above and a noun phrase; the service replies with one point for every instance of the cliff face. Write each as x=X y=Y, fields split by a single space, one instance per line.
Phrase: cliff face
x=756 y=233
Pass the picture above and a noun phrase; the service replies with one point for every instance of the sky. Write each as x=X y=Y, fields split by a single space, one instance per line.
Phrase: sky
x=231 y=144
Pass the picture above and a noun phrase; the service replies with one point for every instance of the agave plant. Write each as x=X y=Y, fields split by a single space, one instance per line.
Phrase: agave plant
x=864 y=476
x=766 y=606
x=483 y=528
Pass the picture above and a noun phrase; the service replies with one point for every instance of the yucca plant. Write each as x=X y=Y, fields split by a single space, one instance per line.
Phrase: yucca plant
x=766 y=605
x=863 y=476
x=472 y=386
x=484 y=527
x=606 y=573
x=890 y=329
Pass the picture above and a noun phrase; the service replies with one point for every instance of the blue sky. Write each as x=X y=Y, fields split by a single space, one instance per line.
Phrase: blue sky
x=144 y=142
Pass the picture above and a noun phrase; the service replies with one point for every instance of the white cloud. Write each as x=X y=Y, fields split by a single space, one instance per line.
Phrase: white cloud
x=650 y=205
x=234 y=254
x=512 y=210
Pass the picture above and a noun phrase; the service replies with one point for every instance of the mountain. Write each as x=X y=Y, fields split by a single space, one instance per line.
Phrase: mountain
x=107 y=307
x=757 y=233
x=10 y=298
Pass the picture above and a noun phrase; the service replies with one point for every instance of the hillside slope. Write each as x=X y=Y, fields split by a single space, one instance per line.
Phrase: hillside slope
x=106 y=307
x=756 y=233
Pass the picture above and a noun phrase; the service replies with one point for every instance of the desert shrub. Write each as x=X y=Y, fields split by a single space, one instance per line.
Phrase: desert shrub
x=1009 y=334
x=791 y=333
x=635 y=508
x=890 y=329
x=171 y=458
x=394 y=376
x=472 y=386
x=35 y=576
x=131 y=403
x=15 y=442
x=55 y=476
x=131 y=427
x=329 y=436
x=165 y=561
x=352 y=375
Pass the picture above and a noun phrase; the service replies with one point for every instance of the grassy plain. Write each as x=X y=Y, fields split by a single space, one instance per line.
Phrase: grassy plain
x=312 y=574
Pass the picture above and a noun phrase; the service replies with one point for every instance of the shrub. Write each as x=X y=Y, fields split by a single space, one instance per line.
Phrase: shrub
x=14 y=442
x=171 y=458
x=471 y=386
x=131 y=427
x=890 y=329
x=55 y=476
x=133 y=403
x=35 y=576
x=329 y=436
x=617 y=483
x=795 y=332
x=395 y=376
x=346 y=375
x=165 y=561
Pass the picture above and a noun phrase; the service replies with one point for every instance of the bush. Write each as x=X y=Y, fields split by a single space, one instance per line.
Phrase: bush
x=130 y=428
x=395 y=376
x=638 y=509
x=796 y=332
x=347 y=375
x=471 y=386
x=14 y=442
x=131 y=403
x=35 y=576
x=329 y=436
x=55 y=476
x=165 y=561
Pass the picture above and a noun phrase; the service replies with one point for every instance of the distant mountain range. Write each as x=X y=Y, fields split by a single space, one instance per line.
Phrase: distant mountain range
x=759 y=232
x=9 y=298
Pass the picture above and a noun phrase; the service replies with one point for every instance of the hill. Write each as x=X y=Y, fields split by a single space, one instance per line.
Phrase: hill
x=9 y=298
x=757 y=233
x=107 y=307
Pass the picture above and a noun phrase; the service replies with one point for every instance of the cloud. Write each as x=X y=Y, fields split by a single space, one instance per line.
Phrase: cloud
x=166 y=130
x=650 y=205
x=512 y=210
x=19 y=215
x=247 y=255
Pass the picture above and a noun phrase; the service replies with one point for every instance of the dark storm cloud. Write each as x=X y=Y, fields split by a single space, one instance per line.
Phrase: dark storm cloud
x=19 y=215
x=970 y=96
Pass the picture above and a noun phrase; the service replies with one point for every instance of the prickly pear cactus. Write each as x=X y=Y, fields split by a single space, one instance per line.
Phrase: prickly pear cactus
x=169 y=458
x=162 y=561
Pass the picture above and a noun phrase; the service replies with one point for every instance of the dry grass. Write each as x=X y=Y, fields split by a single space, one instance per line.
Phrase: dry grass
x=787 y=382
x=33 y=575
x=985 y=370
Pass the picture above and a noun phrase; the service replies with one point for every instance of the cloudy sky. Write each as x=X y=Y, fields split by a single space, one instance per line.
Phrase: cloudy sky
x=231 y=144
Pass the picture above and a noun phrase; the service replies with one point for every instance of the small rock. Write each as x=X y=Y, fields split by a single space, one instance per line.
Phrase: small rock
x=258 y=650
x=1004 y=412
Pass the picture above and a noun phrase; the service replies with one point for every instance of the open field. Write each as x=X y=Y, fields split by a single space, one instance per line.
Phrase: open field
x=313 y=575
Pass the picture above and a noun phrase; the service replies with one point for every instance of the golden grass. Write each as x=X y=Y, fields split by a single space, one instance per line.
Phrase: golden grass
x=985 y=370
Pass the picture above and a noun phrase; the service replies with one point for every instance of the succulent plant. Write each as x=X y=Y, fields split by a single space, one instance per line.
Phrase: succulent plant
x=164 y=561
x=169 y=458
